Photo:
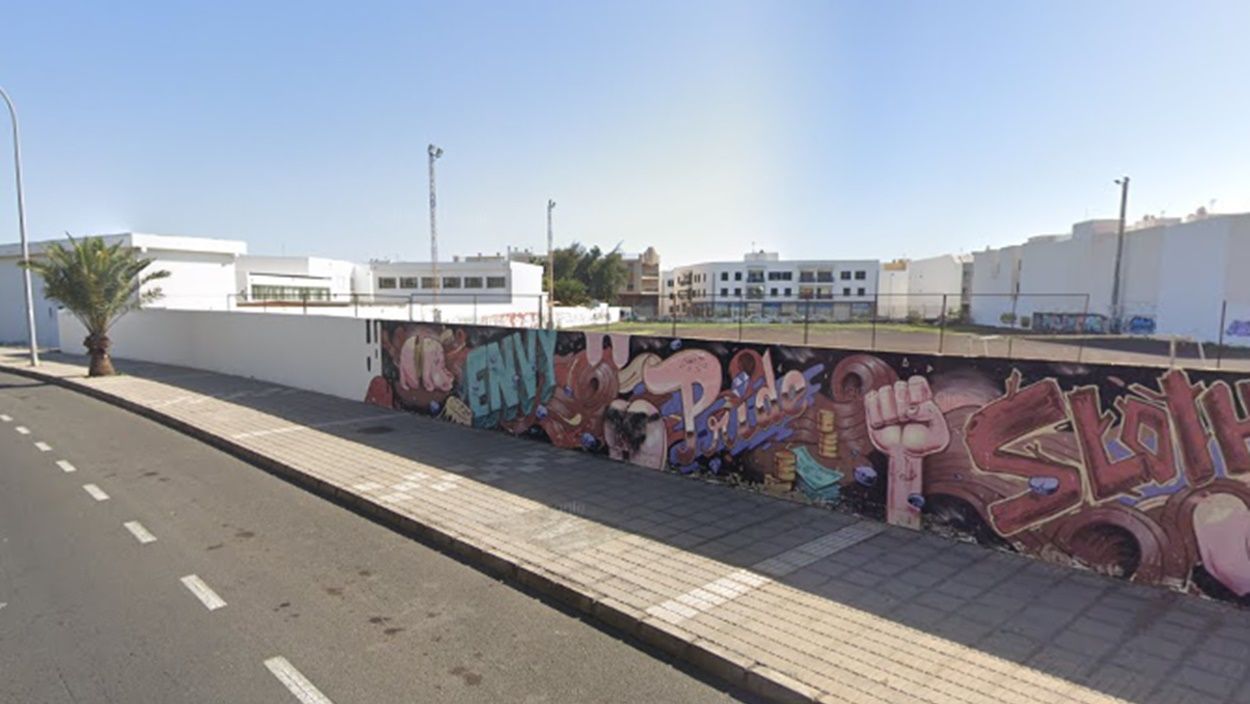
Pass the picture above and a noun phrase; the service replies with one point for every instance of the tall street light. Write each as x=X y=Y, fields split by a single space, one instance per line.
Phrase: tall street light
x=1117 y=307
x=21 y=226
x=434 y=153
x=551 y=270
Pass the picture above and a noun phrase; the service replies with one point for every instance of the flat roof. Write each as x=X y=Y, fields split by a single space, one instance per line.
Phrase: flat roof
x=142 y=241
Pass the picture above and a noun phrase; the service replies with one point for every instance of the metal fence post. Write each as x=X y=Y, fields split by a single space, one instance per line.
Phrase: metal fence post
x=672 y=318
x=1011 y=337
x=1219 y=350
x=741 y=312
x=876 y=303
x=807 y=319
x=475 y=309
x=1080 y=346
x=942 y=327
x=355 y=305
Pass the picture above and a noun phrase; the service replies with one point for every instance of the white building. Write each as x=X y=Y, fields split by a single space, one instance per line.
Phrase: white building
x=272 y=279
x=202 y=276
x=1178 y=278
x=764 y=285
x=484 y=279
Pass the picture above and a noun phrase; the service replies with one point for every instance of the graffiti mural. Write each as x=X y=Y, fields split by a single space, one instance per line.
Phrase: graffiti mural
x=1071 y=323
x=1238 y=328
x=1133 y=472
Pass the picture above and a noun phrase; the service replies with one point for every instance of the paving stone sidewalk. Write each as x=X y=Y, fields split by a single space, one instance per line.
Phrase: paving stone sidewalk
x=791 y=601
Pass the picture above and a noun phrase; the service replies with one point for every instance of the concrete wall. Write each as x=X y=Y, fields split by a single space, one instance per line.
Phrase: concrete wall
x=931 y=279
x=312 y=352
x=1014 y=455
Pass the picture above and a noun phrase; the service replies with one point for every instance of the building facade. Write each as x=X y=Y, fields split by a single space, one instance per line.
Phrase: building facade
x=202 y=277
x=641 y=292
x=1177 y=278
x=765 y=286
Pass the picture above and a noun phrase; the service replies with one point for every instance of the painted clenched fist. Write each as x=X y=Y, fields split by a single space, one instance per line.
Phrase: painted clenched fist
x=905 y=424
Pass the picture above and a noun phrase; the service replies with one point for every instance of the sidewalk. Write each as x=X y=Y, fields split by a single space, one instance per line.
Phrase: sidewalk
x=793 y=602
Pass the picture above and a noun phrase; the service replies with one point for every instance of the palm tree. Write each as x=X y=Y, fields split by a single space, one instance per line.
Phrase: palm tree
x=98 y=283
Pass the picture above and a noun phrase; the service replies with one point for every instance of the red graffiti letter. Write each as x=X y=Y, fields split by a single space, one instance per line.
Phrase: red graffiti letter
x=1182 y=403
x=1003 y=421
x=1230 y=429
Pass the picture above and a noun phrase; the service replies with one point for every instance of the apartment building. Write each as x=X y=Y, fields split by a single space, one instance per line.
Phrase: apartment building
x=764 y=285
x=641 y=292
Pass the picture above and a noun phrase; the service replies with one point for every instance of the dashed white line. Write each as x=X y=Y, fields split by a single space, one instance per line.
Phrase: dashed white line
x=207 y=596
x=22 y=430
x=65 y=466
x=295 y=682
x=692 y=603
x=43 y=446
x=139 y=532
x=96 y=492
x=6 y=418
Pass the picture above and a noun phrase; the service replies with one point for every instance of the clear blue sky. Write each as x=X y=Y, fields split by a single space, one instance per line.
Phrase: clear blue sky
x=823 y=129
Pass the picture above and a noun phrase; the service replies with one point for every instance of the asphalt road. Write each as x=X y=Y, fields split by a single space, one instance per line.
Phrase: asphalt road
x=317 y=599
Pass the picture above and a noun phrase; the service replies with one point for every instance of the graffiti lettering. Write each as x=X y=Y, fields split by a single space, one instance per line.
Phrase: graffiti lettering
x=503 y=376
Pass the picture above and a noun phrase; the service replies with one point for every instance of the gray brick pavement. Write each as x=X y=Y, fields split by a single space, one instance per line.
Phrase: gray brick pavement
x=779 y=596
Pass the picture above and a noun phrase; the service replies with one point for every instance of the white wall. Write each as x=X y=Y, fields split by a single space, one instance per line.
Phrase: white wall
x=931 y=279
x=893 y=282
x=316 y=353
x=197 y=280
x=993 y=282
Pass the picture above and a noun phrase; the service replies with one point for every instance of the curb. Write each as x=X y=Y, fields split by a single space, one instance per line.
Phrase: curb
x=706 y=657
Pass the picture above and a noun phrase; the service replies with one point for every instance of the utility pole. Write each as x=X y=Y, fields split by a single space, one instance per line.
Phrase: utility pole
x=1117 y=306
x=434 y=153
x=551 y=270
x=21 y=226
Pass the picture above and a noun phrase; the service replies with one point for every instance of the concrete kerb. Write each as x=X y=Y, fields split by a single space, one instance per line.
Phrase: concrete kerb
x=673 y=641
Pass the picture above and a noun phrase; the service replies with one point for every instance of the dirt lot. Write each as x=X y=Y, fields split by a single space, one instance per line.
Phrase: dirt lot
x=964 y=341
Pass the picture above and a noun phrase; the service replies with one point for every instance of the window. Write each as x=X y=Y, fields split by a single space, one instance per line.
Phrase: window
x=496 y=282
x=861 y=275
x=724 y=276
x=845 y=275
x=386 y=282
x=824 y=276
x=737 y=276
x=261 y=292
x=807 y=292
x=472 y=282
x=755 y=276
x=408 y=282
x=773 y=292
x=755 y=291
x=787 y=292
x=846 y=291
x=427 y=282
x=807 y=277
x=724 y=291
x=737 y=292
x=859 y=291
x=780 y=275
x=451 y=282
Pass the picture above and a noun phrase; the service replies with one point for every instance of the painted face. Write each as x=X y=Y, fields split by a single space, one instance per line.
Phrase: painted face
x=634 y=432
x=434 y=372
x=408 y=374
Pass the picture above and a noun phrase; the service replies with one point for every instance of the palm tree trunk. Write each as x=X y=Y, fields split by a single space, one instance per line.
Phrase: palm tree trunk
x=98 y=348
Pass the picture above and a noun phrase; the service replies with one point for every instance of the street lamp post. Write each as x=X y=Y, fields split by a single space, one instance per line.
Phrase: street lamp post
x=551 y=270
x=21 y=226
x=435 y=153
x=1117 y=307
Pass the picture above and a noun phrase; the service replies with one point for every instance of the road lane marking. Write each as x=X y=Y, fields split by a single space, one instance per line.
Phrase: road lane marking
x=43 y=446
x=22 y=430
x=65 y=466
x=295 y=682
x=96 y=492
x=6 y=418
x=139 y=532
x=207 y=596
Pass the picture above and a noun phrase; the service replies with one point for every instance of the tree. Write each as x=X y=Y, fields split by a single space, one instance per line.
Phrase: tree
x=571 y=292
x=601 y=275
x=98 y=284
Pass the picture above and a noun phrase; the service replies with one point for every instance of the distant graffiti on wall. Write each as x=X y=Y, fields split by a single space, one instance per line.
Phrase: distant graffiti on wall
x=1140 y=325
x=1128 y=471
x=1070 y=323
x=1238 y=328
